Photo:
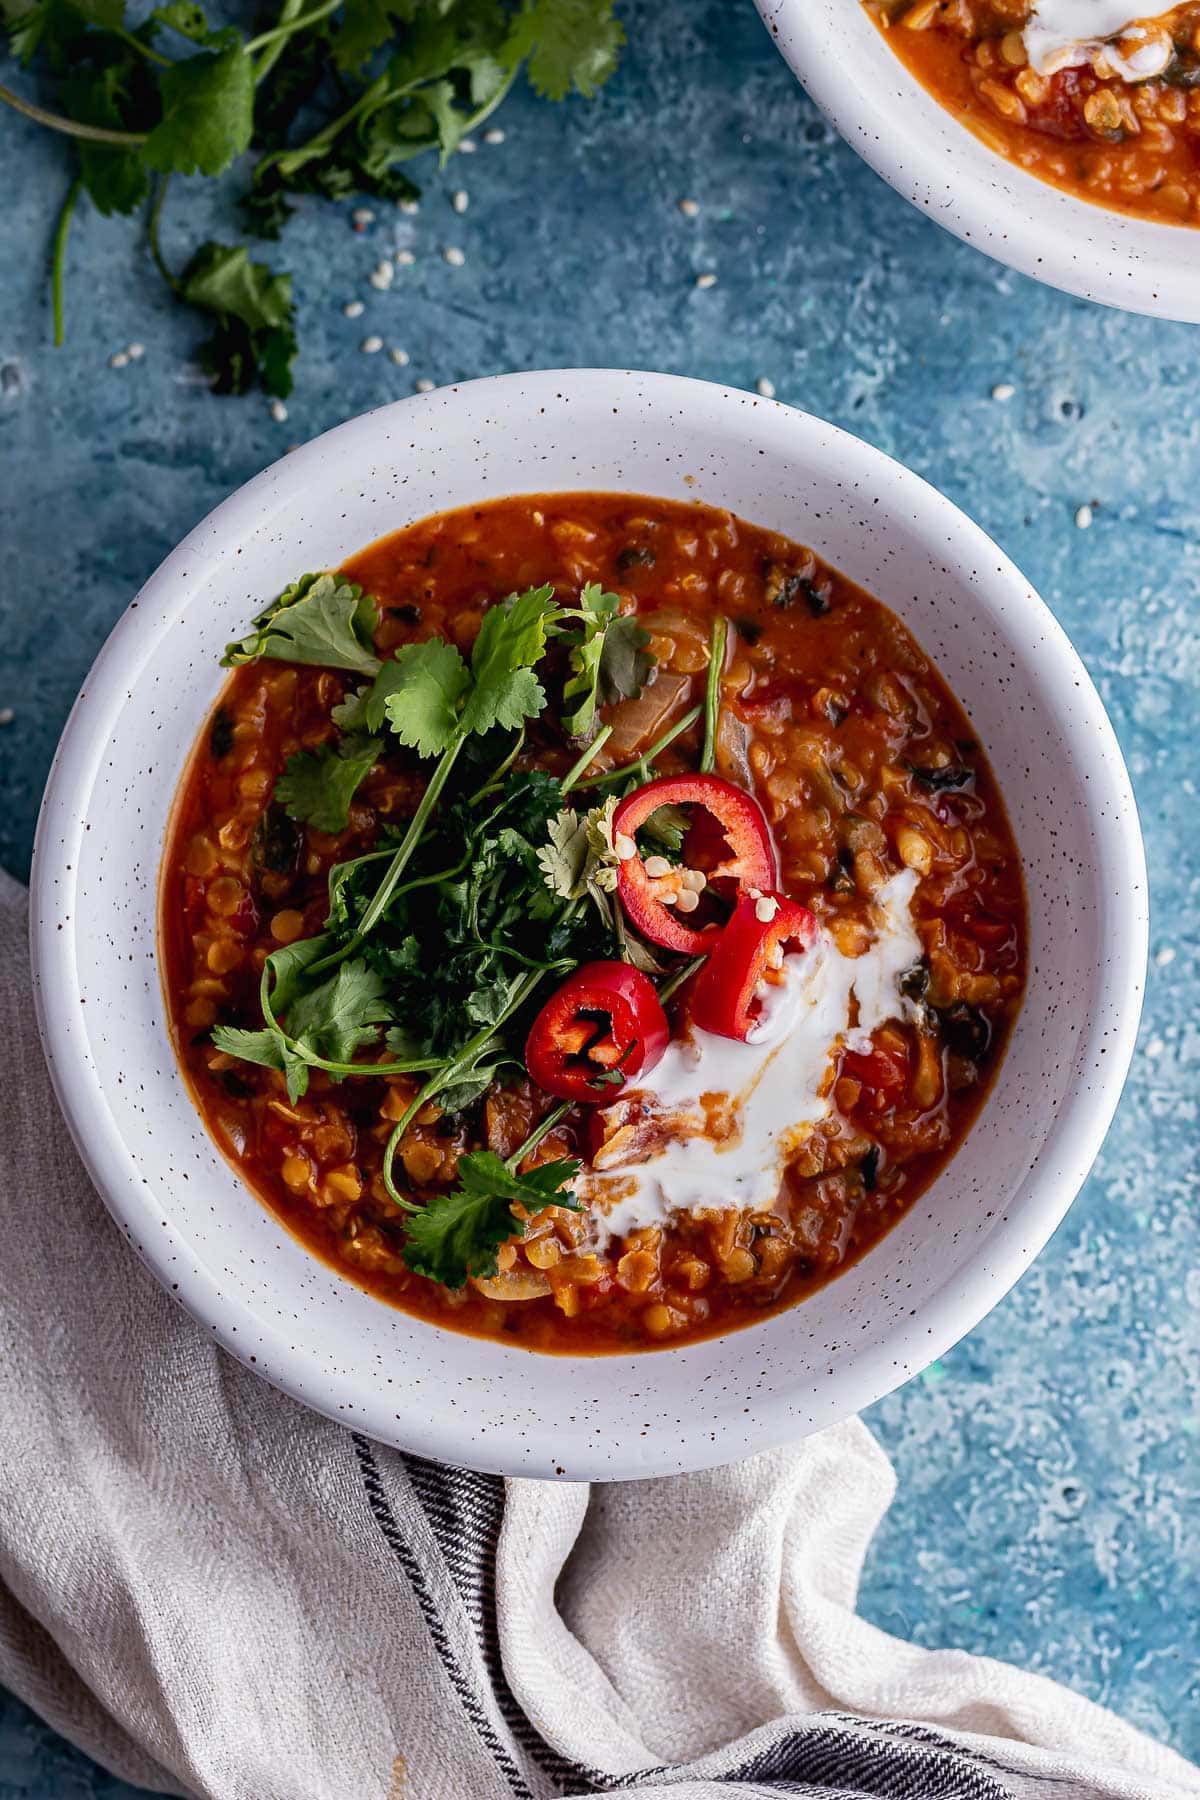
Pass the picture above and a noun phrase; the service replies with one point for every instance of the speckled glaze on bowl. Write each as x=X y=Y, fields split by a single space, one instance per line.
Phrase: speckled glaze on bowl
x=490 y=1405
x=910 y=139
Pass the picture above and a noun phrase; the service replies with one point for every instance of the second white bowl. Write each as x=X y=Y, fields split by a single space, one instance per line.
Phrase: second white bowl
x=910 y=139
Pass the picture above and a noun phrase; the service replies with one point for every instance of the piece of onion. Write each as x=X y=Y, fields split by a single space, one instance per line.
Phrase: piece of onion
x=636 y=723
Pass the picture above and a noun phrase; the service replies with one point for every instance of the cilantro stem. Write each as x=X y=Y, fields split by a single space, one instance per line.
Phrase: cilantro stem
x=539 y=1132
x=153 y=228
x=408 y=843
x=500 y=771
x=286 y=27
x=59 y=262
x=674 y=982
x=641 y=767
x=135 y=43
x=430 y=1090
x=94 y=134
x=271 y=55
x=291 y=160
x=712 y=693
x=577 y=768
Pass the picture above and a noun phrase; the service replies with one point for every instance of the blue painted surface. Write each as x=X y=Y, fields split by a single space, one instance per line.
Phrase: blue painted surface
x=1047 y=1466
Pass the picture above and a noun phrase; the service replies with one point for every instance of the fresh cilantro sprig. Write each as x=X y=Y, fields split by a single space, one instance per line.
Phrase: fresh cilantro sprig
x=456 y=1236
x=438 y=939
x=608 y=658
x=335 y=99
x=317 y=786
x=318 y=619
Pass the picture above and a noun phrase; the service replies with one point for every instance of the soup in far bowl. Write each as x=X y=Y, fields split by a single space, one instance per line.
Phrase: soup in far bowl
x=589 y=920
x=1094 y=96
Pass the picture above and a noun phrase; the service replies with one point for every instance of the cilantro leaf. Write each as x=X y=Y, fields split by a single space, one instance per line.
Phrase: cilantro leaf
x=667 y=826
x=208 y=113
x=365 y=26
x=512 y=638
x=317 y=787
x=625 y=663
x=115 y=179
x=563 y=857
x=568 y=43
x=320 y=620
x=419 y=692
x=263 y=1047
x=456 y=1235
x=579 y=856
x=289 y=966
x=341 y=1014
x=255 y=339
x=596 y=610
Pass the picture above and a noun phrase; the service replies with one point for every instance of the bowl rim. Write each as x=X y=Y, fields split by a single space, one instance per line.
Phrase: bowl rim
x=994 y=1264
x=1023 y=222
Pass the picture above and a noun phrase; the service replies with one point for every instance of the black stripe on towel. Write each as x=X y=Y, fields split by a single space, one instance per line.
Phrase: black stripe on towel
x=393 y=1536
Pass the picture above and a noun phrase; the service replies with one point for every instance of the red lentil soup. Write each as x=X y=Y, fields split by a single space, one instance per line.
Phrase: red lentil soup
x=1129 y=144
x=834 y=723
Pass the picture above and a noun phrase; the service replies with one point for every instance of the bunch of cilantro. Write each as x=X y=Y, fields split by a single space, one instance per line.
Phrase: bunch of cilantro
x=330 y=97
x=438 y=940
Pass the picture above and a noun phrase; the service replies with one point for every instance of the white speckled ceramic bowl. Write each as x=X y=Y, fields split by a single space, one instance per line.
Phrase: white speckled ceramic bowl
x=491 y=1405
x=885 y=114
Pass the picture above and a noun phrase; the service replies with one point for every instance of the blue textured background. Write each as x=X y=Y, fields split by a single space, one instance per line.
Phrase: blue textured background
x=1048 y=1466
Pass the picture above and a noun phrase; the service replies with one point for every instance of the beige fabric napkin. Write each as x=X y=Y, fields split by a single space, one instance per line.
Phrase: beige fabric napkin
x=217 y=1593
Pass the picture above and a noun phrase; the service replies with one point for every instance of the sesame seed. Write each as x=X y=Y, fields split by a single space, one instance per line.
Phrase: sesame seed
x=1083 y=517
x=460 y=200
x=707 y=280
x=467 y=146
x=423 y=384
x=1003 y=390
x=362 y=215
x=119 y=361
x=382 y=277
x=410 y=207
x=454 y=256
x=765 y=388
x=689 y=208
x=400 y=358
x=494 y=136
x=354 y=309
x=1165 y=956
x=7 y=715
x=370 y=345
x=279 y=412
x=405 y=259
x=135 y=352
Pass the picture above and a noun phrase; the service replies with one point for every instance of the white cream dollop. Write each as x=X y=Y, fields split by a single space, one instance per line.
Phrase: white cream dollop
x=1068 y=34
x=770 y=1086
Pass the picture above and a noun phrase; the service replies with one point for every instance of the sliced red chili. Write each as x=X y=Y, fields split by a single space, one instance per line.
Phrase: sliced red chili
x=727 y=998
x=731 y=826
x=604 y=1026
